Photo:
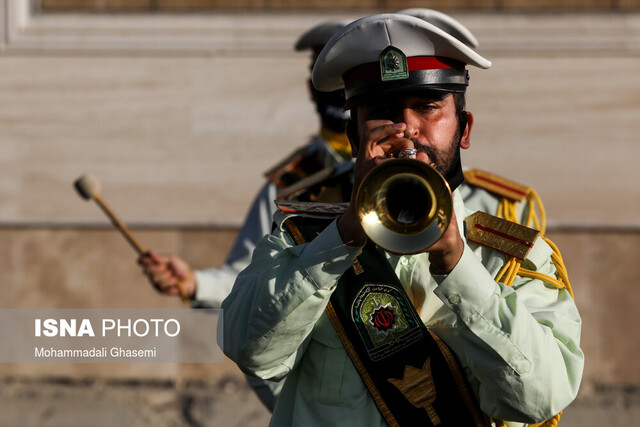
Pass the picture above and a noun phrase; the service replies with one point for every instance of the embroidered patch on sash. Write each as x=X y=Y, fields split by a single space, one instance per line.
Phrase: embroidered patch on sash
x=383 y=320
x=417 y=387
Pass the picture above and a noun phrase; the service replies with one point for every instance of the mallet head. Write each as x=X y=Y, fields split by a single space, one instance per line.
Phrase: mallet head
x=87 y=186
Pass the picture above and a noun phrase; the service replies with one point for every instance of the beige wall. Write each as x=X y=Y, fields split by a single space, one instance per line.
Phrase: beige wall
x=179 y=116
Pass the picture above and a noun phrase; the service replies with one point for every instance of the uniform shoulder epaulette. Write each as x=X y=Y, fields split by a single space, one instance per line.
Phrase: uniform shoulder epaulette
x=328 y=177
x=504 y=236
x=282 y=164
x=312 y=208
x=306 y=182
x=497 y=184
x=302 y=162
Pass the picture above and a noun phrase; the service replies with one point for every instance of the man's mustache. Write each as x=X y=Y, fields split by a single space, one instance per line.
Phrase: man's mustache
x=434 y=161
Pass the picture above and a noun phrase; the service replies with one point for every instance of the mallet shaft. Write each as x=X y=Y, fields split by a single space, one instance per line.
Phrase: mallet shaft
x=129 y=236
x=119 y=225
x=89 y=188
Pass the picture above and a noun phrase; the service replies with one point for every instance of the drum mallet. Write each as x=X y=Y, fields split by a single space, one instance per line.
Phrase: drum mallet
x=89 y=188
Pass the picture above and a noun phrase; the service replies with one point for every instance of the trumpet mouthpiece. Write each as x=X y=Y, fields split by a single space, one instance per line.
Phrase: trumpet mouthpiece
x=87 y=186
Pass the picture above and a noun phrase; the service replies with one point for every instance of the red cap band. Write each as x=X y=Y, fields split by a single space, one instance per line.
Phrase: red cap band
x=414 y=63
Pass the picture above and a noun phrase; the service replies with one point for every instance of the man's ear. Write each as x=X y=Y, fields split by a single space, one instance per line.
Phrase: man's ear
x=352 y=134
x=465 y=141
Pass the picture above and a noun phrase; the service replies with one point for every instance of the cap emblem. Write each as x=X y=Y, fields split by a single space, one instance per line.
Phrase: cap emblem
x=393 y=64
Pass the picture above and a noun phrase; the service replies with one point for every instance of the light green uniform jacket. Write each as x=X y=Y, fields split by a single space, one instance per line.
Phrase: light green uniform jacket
x=519 y=345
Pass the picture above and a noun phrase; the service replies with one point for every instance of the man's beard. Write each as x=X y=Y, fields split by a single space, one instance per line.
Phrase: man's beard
x=440 y=161
x=446 y=162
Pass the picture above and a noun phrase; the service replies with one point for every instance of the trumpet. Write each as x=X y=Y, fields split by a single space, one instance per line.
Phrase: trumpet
x=404 y=205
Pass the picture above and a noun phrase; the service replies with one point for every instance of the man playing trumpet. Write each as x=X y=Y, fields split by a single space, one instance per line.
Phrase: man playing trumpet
x=477 y=329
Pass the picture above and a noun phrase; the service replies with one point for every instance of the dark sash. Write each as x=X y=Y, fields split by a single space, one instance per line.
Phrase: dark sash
x=411 y=374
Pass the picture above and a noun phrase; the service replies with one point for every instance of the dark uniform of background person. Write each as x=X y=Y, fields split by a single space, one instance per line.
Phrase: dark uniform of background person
x=512 y=324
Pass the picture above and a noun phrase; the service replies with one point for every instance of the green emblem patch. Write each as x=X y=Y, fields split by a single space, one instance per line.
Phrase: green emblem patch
x=393 y=64
x=384 y=321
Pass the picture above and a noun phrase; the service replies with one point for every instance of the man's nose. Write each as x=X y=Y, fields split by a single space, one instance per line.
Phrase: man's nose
x=410 y=118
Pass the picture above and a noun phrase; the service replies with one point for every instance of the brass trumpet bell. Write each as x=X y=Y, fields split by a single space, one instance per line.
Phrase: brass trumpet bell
x=404 y=205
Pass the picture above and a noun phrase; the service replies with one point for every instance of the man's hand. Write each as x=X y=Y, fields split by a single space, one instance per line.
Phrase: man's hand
x=380 y=139
x=447 y=251
x=168 y=273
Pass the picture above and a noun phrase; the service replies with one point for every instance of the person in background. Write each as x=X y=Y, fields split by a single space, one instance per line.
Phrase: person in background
x=170 y=274
x=208 y=287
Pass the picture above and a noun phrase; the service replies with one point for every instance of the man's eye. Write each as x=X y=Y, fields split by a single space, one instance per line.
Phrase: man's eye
x=425 y=108
x=382 y=111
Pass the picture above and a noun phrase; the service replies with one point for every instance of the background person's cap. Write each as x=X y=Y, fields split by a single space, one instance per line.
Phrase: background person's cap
x=316 y=37
x=446 y=23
